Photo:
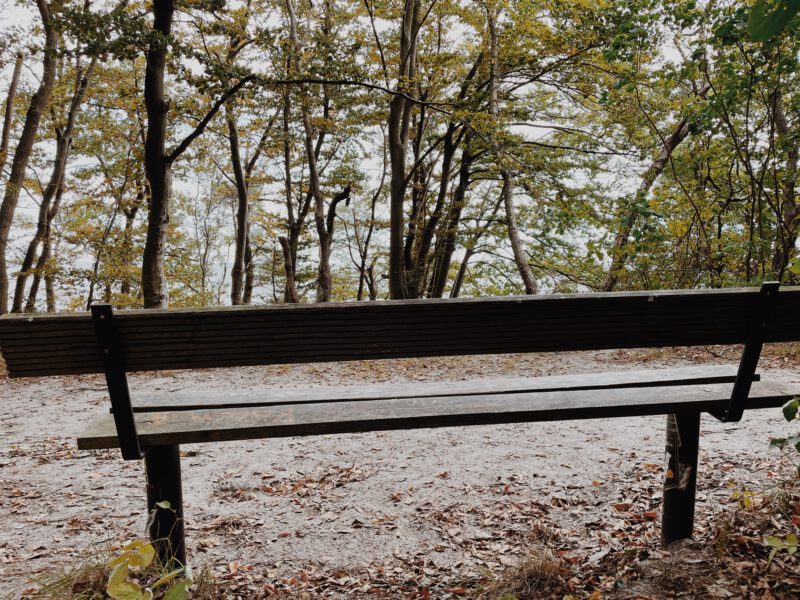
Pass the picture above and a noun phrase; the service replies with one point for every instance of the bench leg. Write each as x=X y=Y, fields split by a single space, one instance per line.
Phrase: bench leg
x=683 y=438
x=163 y=468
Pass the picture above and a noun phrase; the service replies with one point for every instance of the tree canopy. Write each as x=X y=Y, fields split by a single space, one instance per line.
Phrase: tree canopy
x=194 y=152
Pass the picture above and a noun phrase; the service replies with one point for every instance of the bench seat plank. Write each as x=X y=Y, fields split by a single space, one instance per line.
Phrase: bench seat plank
x=207 y=425
x=183 y=400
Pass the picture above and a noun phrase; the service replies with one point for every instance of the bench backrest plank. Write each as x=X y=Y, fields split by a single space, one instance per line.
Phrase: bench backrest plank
x=55 y=344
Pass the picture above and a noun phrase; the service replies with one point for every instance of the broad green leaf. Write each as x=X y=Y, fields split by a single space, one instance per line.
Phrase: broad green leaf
x=134 y=545
x=768 y=19
x=146 y=553
x=168 y=577
x=790 y=409
x=119 y=574
x=118 y=560
x=125 y=590
x=165 y=504
x=140 y=553
x=177 y=591
x=772 y=555
x=775 y=542
x=779 y=442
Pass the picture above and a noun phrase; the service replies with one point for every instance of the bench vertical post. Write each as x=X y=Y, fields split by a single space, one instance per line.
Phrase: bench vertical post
x=113 y=359
x=756 y=331
x=163 y=470
x=680 y=480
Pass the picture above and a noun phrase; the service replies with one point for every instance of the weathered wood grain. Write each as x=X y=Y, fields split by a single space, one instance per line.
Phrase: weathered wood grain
x=279 y=334
x=287 y=420
x=187 y=400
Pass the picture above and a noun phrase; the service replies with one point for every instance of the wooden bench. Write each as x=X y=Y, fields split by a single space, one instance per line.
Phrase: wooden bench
x=153 y=426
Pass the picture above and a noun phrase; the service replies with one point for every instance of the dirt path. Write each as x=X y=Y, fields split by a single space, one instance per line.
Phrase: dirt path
x=442 y=505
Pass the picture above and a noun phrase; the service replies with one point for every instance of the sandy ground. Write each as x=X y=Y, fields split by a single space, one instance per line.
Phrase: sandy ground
x=454 y=500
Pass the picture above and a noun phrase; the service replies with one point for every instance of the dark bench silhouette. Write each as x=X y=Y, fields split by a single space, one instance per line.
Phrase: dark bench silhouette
x=153 y=426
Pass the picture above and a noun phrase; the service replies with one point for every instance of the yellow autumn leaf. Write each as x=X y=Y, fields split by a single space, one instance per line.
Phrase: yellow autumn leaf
x=140 y=553
x=119 y=573
x=118 y=560
x=124 y=590
x=168 y=577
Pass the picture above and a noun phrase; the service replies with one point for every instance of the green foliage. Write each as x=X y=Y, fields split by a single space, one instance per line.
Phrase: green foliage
x=790 y=413
x=128 y=579
x=777 y=544
x=770 y=17
x=588 y=94
x=746 y=499
x=789 y=543
x=790 y=409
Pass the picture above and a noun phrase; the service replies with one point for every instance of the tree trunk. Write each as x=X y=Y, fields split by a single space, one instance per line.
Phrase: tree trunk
x=294 y=224
x=324 y=225
x=446 y=239
x=39 y=273
x=397 y=155
x=296 y=219
x=48 y=209
x=249 y=258
x=157 y=165
x=787 y=220
x=44 y=229
x=249 y=273
x=242 y=215
x=324 y=270
x=25 y=145
x=127 y=242
x=419 y=179
x=288 y=269
x=619 y=253
x=398 y=129
x=372 y=284
x=364 y=272
x=418 y=246
x=9 y=112
x=455 y=292
x=462 y=273
x=417 y=283
x=49 y=277
x=507 y=192
x=43 y=271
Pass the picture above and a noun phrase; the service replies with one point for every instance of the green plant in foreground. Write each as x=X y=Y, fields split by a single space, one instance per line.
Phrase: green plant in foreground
x=790 y=412
x=136 y=556
x=790 y=542
x=747 y=499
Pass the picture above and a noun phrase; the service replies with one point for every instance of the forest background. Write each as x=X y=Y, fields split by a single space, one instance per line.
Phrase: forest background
x=205 y=152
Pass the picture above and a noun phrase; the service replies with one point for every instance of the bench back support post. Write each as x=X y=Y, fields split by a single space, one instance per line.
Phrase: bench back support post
x=113 y=358
x=756 y=330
